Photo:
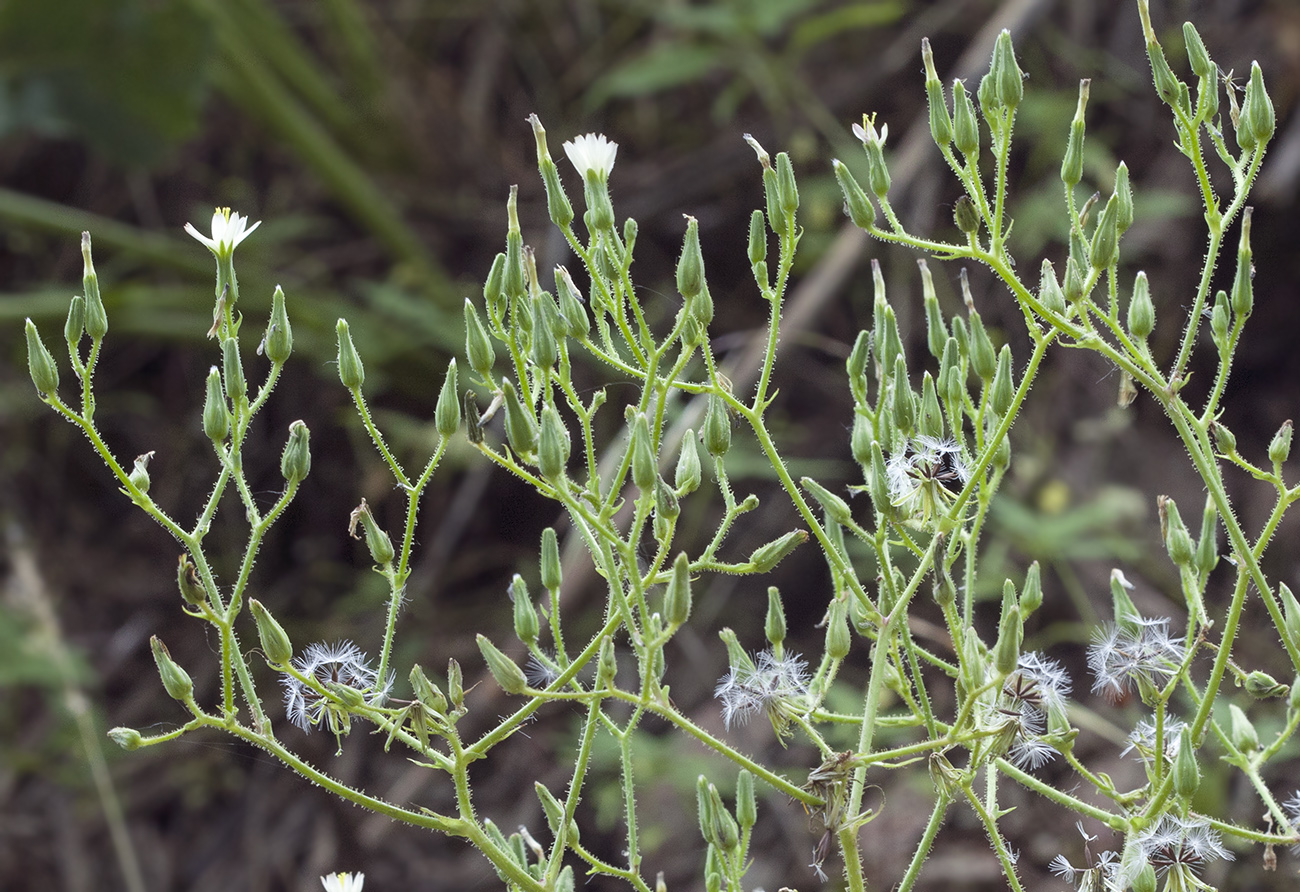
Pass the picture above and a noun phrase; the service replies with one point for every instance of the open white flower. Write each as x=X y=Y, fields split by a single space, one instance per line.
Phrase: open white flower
x=228 y=230
x=592 y=153
x=343 y=882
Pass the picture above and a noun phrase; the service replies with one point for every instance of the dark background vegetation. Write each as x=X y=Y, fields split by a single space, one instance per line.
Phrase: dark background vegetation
x=377 y=142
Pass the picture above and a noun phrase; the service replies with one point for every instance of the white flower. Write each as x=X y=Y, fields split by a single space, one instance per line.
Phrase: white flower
x=343 y=882
x=592 y=153
x=228 y=230
x=868 y=133
x=920 y=475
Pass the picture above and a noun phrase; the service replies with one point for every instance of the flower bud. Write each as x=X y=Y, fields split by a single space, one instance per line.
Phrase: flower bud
x=1219 y=321
x=1049 y=290
x=1257 y=113
x=521 y=426
x=1141 y=311
x=930 y=422
x=187 y=580
x=940 y=122
x=757 y=245
x=277 y=341
x=774 y=625
x=275 y=642
x=1197 y=55
x=45 y=374
x=1144 y=878
x=690 y=265
x=787 y=190
x=859 y=208
x=1244 y=736
x=766 y=557
x=606 y=664
x=1187 y=774
x=1124 y=197
x=557 y=203
x=96 y=316
x=426 y=691
x=545 y=321
x=1280 y=446
x=351 y=372
x=175 y=679
x=1290 y=614
x=1105 y=239
x=446 y=414
x=1073 y=281
x=677 y=598
x=645 y=470
x=772 y=200
x=295 y=461
x=455 y=685
x=127 y=738
x=509 y=676
x=965 y=215
x=839 y=639
x=688 y=473
x=834 y=507
x=1006 y=74
x=1031 y=596
x=965 y=126
x=75 y=326
x=856 y=366
x=1123 y=609
x=512 y=274
x=902 y=400
x=233 y=368
x=139 y=476
x=717 y=427
x=526 y=625
x=983 y=359
x=377 y=541
x=1166 y=83
x=216 y=415
x=493 y=286
x=478 y=346
x=1243 y=292
x=1262 y=686
x=553 y=446
x=1224 y=440
x=573 y=314
x=746 y=801
x=1010 y=632
x=1207 y=547
x=1072 y=165
x=1178 y=542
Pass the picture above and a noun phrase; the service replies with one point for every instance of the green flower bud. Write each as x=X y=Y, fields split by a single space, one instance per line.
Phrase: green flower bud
x=233 y=368
x=1207 y=550
x=351 y=372
x=1257 y=108
x=295 y=461
x=127 y=738
x=187 y=580
x=746 y=801
x=1072 y=164
x=1010 y=633
x=274 y=640
x=606 y=664
x=930 y=421
x=1293 y=698
x=493 y=298
x=175 y=679
x=521 y=426
x=966 y=215
x=446 y=414
x=526 y=625
x=1105 y=239
x=1144 y=879
x=1073 y=281
x=1219 y=321
x=553 y=446
x=96 y=315
x=1178 y=542
x=1049 y=290
x=940 y=122
x=717 y=427
x=573 y=314
x=1187 y=774
x=1197 y=55
x=904 y=404
x=1280 y=446
x=139 y=475
x=377 y=541
x=75 y=327
x=677 y=598
x=704 y=807
x=772 y=200
x=785 y=184
x=1124 y=197
x=1244 y=735
x=861 y=439
x=277 y=342
x=888 y=344
x=856 y=204
x=512 y=276
x=478 y=346
x=835 y=508
x=1031 y=596
x=1262 y=686
x=965 y=126
x=509 y=676
x=45 y=374
x=666 y=504
x=546 y=352
x=1141 y=311
x=557 y=203
x=688 y=473
x=839 y=639
x=1125 y=612
x=766 y=557
x=1006 y=74
x=1003 y=391
x=1243 y=292
x=774 y=625
x=1224 y=440
x=690 y=265
x=856 y=366
x=983 y=359
x=645 y=470
x=1167 y=85
x=1290 y=614
x=936 y=332
x=216 y=415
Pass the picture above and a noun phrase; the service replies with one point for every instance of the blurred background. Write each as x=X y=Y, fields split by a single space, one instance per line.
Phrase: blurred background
x=377 y=142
